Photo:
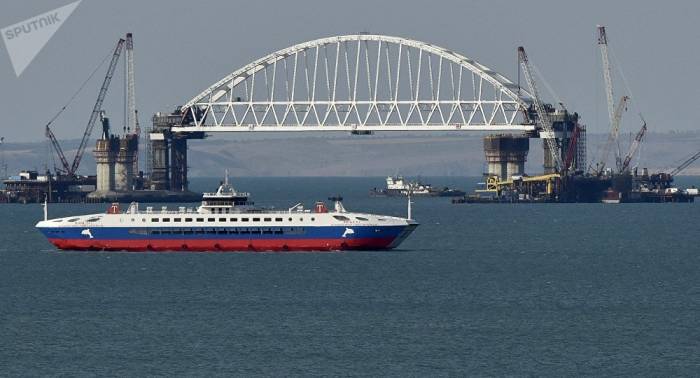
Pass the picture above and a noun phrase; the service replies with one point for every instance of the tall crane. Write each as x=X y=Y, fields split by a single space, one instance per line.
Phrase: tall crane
x=545 y=122
x=614 y=116
x=685 y=164
x=634 y=147
x=97 y=108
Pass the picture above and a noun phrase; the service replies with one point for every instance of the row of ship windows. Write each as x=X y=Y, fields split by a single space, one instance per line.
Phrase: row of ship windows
x=165 y=220
x=219 y=231
x=220 y=219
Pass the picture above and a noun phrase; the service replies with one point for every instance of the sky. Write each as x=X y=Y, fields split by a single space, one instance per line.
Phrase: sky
x=182 y=47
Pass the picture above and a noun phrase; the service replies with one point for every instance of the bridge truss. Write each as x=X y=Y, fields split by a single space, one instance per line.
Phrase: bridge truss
x=360 y=82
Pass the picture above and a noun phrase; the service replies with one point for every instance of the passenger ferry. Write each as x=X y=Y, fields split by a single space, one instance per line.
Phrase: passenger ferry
x=227 y=221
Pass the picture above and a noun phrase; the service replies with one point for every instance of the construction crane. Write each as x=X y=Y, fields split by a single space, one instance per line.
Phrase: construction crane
x=546 y=124
x=614 y=131
x=634 y=147
x=614 y=113
x=685 y=164
x=73 y=168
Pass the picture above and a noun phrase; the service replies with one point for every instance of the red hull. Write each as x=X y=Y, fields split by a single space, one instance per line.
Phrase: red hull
x=223 y=245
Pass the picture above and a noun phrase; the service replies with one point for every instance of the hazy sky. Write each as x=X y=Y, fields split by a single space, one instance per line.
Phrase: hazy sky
x=181 y=47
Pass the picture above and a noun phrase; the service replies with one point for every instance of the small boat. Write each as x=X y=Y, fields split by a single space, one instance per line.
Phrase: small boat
x=397 y=186
x=611 y=196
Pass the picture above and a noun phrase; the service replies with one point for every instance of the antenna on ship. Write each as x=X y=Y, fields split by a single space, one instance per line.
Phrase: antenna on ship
x=46 y=207
x=226 y=177
x=409 y=202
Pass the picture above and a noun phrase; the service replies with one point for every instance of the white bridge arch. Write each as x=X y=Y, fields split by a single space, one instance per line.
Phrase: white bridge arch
x=360 y=82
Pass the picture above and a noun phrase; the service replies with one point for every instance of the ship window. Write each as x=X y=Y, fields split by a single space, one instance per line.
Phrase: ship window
x=211 y=231
x=200 y=219
x=222 y=231
x=290 y=219
x=142 y=220
x=154 y=220
x=341 y=218
x=227 y=211
x=278 y=219
x=268 y=219
x=199 y=231
x=301 y=219
x=278 y=231
x=210 y=219
x=155 y=232
x=166 y=219
x=188 y=231
x=245 y=231
x=73 y=219
x=94 y=219
x=233 y=219
x=256 y=219
x=244 y=219
x=267 y=231
x=255 y=231
x=138 y=231
x=188 y=219
x=177 y=219
x=313 y=219
x=381 y=219
x=361 y=218
x=164 y=232
x=233 y=231
x=222 y=219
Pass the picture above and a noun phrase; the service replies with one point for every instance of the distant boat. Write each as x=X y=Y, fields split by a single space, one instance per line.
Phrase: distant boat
x=397 y=186
x=611 y=196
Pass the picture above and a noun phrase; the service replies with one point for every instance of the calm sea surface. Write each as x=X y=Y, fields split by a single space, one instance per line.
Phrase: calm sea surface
x=560 y=290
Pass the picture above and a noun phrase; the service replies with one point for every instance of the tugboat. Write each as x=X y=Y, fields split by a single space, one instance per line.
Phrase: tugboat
x=227 y=221
x=396 y=186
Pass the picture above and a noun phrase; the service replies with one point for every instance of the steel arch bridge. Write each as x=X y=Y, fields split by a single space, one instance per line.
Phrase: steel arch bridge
x=360 y=82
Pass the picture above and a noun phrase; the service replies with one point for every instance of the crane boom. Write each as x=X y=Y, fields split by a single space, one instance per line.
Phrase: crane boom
x=57 y=147
x=545 y=122
x=98 y=107
x=607 y=74
x=614 y=130
x=685 y=164
x=634 y=147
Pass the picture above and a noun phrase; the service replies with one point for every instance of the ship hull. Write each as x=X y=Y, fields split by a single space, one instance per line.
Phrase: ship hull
x=229 y=239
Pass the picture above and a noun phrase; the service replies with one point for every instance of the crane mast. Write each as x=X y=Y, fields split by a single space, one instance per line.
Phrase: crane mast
x=545 y=122
x=97 y=108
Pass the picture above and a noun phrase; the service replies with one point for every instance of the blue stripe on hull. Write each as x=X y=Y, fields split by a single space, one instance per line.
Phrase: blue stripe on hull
x=251 y=233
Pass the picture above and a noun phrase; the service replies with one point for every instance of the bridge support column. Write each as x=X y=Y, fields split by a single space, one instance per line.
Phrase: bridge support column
x=506 y=155
x=178 y=163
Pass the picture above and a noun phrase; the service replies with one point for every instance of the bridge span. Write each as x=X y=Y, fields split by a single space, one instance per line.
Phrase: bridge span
x=360 y=82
